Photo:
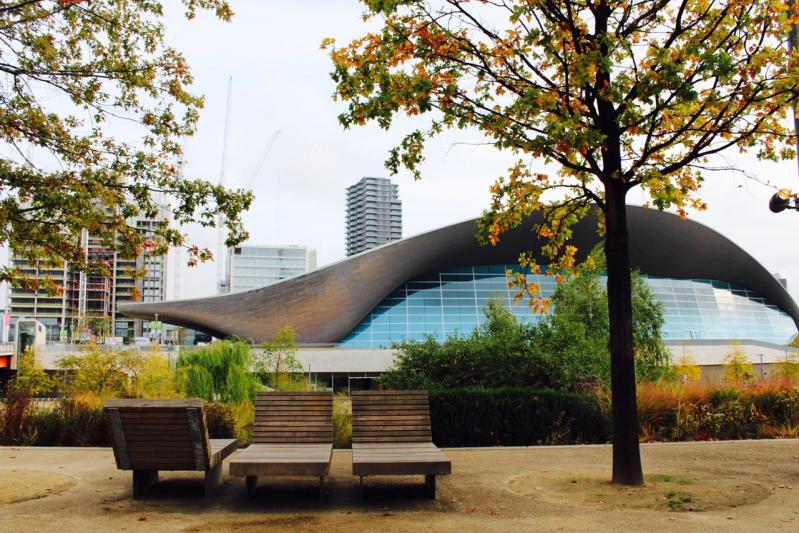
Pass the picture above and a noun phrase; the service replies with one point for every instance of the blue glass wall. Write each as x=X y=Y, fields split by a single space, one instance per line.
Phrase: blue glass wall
x=451 y=302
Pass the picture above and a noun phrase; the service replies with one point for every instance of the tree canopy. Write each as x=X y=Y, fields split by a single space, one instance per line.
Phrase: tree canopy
x=220 y=372
x=94 y=105
x=595 y=98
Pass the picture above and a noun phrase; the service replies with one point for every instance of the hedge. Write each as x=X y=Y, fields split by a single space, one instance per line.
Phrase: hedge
x=515 y=417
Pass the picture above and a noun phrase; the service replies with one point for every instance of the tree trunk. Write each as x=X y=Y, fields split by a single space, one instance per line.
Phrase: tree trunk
x=626 y=452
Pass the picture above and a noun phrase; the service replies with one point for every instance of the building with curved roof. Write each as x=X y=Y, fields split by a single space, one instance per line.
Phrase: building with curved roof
x=437 y=283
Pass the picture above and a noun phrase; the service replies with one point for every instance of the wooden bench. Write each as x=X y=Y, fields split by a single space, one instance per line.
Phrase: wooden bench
x=153 y=435
x=391 y=435
x=292 y=436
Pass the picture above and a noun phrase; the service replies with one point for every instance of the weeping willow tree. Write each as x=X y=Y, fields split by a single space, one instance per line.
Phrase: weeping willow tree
x=218 y=372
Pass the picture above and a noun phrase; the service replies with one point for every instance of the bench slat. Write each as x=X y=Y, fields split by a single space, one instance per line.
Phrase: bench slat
x=293 y=417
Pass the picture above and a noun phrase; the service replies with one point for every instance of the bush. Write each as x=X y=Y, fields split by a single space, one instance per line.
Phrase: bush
x=244 y=420
x=772 y=410
x=80 y=423
x=515 y=417
x=220 y=421
x=16 y=426
x=75 y=421
x=563 y=349
x=497 y=354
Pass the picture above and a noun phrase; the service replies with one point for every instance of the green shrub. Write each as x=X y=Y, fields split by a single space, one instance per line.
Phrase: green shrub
x=731 y=420
x=515 y=417
x=719 y=397
x=220 y=421
x=565 y=348
x=48 y=427
x=778 y=406
x=79 y=423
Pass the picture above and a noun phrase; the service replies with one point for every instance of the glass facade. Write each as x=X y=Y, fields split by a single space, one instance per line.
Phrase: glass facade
x=251 y=266
x=451 y=302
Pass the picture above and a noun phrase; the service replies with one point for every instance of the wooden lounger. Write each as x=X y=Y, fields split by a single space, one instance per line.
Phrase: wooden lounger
x=153 y=435
x=391 y=435
x=292 y=436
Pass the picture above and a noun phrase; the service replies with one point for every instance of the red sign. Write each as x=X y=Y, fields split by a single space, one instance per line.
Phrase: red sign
x=5 y=361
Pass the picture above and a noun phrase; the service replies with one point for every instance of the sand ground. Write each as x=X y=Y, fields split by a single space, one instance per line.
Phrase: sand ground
x=709 y=486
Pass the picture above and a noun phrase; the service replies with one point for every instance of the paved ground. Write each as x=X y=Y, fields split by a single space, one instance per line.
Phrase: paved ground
x=493 y=489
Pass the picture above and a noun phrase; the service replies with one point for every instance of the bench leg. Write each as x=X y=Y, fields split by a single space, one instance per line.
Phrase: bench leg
x=430 y=485
x=250 y=486
x=213 y=478
x=321 y=486
x=143 y=480
x=362 y=487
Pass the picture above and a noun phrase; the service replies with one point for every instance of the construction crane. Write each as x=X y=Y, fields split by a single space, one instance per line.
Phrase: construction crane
x=220 y=219
x=83 y=279
x=178 y=251
x=261 y=160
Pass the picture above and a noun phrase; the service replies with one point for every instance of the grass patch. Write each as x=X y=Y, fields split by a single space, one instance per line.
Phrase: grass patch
x=676 y=501
x=665 y=478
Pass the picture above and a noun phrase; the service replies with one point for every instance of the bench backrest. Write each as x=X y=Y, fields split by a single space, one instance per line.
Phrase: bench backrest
x=293 y=417
x=158 y=434
x=390 y=416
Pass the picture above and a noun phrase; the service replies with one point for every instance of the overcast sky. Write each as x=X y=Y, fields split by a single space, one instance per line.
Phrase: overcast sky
x=281 y=82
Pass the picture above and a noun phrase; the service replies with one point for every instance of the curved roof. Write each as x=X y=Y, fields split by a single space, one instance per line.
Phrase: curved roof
x=325 y=305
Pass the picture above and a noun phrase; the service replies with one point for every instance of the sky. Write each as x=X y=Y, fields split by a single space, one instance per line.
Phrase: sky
x=280 y=81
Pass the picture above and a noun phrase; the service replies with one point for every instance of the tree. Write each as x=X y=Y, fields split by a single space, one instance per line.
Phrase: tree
x=686 y=366
x=278 y=360
x=575 y=332
x=31 y=378
x=787 y=367
x=737 y=367
x=219 y=372
x=615 y=95
x=93 y=107
x=154 y=377
x=498 y=353
x=563 y=351
x=100 y=371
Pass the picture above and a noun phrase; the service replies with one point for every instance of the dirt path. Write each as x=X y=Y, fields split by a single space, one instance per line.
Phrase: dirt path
x=495 y=489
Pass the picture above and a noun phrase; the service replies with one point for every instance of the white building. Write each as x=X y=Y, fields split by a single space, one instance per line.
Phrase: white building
x=250 y=266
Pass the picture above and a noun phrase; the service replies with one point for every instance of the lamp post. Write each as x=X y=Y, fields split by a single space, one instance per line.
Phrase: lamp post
x=158 y=331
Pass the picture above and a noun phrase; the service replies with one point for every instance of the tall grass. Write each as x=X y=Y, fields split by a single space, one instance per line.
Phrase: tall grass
x=695 y=411
x=342 y=421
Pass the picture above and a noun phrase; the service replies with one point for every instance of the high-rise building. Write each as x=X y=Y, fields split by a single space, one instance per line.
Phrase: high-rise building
x=374 y=214
x=251 y=266
x=60 y=312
